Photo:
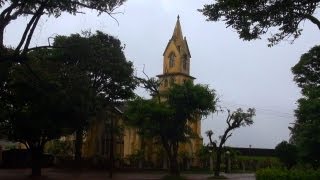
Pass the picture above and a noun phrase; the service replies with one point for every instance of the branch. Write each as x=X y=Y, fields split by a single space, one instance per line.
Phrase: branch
x=23 y=38
x=228 y=118
x=109 y=12
x=313 y=19
x=30 y=35
x=228 y=136
x=8 y=10
x=44 y=47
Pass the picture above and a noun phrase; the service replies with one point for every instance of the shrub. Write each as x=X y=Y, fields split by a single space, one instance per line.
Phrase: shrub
x=283 y=174
x=287 y=153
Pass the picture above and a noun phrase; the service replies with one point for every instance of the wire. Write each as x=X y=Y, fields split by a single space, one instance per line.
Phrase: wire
x=265 y=111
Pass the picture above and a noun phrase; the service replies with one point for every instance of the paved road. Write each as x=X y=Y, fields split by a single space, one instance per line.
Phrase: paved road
x=56 y=174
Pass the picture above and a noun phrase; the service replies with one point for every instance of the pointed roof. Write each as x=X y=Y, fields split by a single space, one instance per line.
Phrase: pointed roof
x=177 y=36
x=177 y=33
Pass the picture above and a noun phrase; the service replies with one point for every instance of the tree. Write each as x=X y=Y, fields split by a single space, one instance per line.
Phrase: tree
x=287 y=153
x=65 y=87
x=35 y=9
x=234 y=120
x=100 y=58
x=212 y=146
x=306 y=129
x=251 y=18
x=166 y=118
x=36 y=111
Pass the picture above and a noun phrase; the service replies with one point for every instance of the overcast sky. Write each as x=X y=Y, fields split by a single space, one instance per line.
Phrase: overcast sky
x=244 y=74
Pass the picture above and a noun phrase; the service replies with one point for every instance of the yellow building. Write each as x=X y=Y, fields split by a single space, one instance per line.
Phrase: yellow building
x=176 y=69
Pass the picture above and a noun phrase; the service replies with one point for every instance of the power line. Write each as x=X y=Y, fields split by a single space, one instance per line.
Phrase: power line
x=266 y=111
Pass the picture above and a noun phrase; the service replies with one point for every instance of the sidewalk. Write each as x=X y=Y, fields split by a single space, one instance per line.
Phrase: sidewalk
x=57 y=174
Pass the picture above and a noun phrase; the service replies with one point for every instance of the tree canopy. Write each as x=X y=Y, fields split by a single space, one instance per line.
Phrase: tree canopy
x=35 y=9
x=253 y=18
x=57 y=90
x=167 y=118
x=306 y=129
x=36 y=111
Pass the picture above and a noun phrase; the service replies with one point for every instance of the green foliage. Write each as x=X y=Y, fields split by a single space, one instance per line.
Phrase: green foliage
x=234 y=120
x=59 y=148
x=57 y=90
x=282 y=174
x=252 y=18
x=306 y=73
x=204 y=154
x=166 y=117
x=12 y=10
x=287 y=153
x=33 y=106
x=306 y=129
x=100 y=57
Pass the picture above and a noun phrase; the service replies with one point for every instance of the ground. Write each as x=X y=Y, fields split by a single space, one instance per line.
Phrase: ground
x=55 y=174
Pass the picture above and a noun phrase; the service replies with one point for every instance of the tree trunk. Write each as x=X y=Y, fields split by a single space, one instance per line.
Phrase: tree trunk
x=218 y=162
x=174 y=166
x=173 y=158
x=1 y=37
x=78 y=144
x=211 y=162
x=36 y=158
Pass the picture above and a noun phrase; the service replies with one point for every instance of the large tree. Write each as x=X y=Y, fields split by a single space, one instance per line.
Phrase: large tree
x=306 y=129
x=34 y=110
x=12 y=10
x=100 y=58
x=253 y=18
x=63 y=90
x=234 y=121
x=167 y=118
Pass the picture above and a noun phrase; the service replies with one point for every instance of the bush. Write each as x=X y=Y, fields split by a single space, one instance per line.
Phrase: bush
x=283 y=174
x=287 y=153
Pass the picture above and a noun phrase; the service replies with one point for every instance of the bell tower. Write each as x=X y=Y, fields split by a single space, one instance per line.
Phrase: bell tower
x=176 y=60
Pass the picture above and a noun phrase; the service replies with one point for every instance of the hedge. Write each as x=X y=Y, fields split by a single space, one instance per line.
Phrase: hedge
x=282 y=174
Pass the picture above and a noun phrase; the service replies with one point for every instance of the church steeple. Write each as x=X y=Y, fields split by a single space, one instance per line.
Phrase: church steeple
x=176 y=59
x=177 y=33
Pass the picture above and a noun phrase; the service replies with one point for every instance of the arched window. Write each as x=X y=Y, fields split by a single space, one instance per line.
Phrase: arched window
x=171 y=60
x=185 y=62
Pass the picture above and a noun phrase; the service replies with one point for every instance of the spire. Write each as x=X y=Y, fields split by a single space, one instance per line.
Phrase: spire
x=177 y=33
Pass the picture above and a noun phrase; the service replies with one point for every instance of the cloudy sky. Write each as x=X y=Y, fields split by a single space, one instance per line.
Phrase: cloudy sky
x=244 y=74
